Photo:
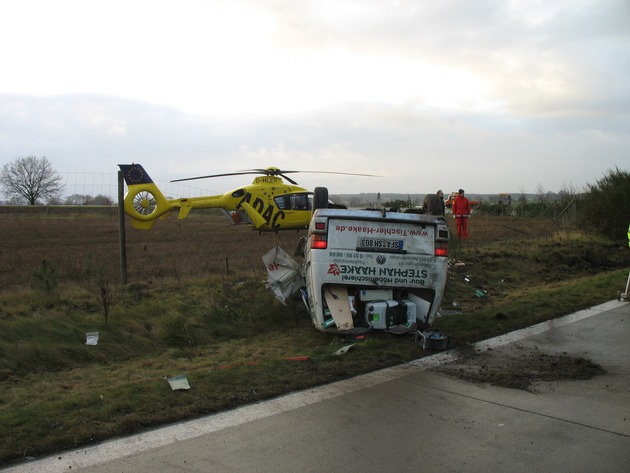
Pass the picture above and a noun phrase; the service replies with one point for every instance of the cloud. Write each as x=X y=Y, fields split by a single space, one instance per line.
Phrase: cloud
x=413 y=150
x=491 y=96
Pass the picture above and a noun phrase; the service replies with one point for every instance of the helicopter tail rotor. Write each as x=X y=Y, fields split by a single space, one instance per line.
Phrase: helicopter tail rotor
x=144 y=201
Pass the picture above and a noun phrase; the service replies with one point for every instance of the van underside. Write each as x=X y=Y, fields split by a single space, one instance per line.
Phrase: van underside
x=355 y=309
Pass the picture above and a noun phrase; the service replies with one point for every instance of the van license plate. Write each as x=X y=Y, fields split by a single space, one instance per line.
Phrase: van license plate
x=380 y=243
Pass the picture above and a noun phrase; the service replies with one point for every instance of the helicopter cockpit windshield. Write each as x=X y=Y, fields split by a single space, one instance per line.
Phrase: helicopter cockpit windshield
x=293 y=202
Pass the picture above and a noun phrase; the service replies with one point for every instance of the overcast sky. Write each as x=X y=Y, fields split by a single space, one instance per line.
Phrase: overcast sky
x=492 y=96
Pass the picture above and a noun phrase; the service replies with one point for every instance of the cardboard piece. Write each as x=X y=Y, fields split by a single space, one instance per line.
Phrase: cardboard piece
x=339 y=305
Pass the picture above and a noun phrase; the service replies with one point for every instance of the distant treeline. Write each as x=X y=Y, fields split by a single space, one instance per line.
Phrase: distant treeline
x=356 y=200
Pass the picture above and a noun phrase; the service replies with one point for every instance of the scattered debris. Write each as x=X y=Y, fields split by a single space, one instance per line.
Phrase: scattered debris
x=178 y=382
x=432 y=339
x=478 y=292
x=447 y=312
x=343 y=350
x=283 y=276
x=298 y=358
x=91 y=338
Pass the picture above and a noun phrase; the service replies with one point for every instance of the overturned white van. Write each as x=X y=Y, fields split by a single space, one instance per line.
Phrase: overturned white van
x=369 y=269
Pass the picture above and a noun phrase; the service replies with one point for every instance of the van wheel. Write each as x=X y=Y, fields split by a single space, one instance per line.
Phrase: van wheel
x=320 y=198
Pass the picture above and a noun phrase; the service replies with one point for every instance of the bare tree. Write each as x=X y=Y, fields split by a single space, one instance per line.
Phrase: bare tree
x=541 y=194
x=567 y=193
x=31 y=178
x=101 y=199
x=77 y=199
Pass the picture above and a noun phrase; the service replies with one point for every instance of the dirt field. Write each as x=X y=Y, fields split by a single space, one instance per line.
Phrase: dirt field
x=82 y=245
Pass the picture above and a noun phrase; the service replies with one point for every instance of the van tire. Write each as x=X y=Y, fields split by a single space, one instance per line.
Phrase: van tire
x=320 y=198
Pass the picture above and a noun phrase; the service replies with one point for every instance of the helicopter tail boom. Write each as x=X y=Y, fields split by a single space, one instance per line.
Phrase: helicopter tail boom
x=144 y=202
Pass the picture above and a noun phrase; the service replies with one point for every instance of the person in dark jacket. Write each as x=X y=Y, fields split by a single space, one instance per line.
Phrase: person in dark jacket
x=434 y=203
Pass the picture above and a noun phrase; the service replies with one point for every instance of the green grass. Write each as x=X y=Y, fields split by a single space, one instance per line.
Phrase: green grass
x=233 y=340
x=531 y=306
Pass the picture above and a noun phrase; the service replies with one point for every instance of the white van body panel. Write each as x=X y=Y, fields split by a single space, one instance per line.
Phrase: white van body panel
x=383 y=260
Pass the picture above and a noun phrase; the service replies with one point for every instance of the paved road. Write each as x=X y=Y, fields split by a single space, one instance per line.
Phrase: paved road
x=411 y=418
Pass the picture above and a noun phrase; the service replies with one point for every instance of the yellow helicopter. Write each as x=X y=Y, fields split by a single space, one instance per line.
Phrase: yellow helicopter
x=267 y=204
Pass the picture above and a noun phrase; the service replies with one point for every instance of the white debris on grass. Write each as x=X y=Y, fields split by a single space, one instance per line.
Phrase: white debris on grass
x=283 y=274
x=178 y=382
x=91 y=338
x=343 y=350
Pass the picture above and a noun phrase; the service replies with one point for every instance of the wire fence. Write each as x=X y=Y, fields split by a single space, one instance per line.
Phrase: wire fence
x=83 y=188
x=563 y=213
x=92 y=185
x=89 y=184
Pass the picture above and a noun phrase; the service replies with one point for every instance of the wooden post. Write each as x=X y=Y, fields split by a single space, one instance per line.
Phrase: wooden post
x=121 y=229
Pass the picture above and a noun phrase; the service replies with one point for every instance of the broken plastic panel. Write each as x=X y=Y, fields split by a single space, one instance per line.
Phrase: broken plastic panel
x=283 y=276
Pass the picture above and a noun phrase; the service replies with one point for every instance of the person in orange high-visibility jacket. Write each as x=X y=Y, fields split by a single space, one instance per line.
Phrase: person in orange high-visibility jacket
x=461 y=213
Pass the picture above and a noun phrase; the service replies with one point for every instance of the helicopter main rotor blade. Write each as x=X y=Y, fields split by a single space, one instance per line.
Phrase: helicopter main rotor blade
x=342 y=173
x=289 y=179
x=215 y=175
x=272 y=172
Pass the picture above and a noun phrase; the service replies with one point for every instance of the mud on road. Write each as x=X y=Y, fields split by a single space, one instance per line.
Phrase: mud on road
x=519 y=367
